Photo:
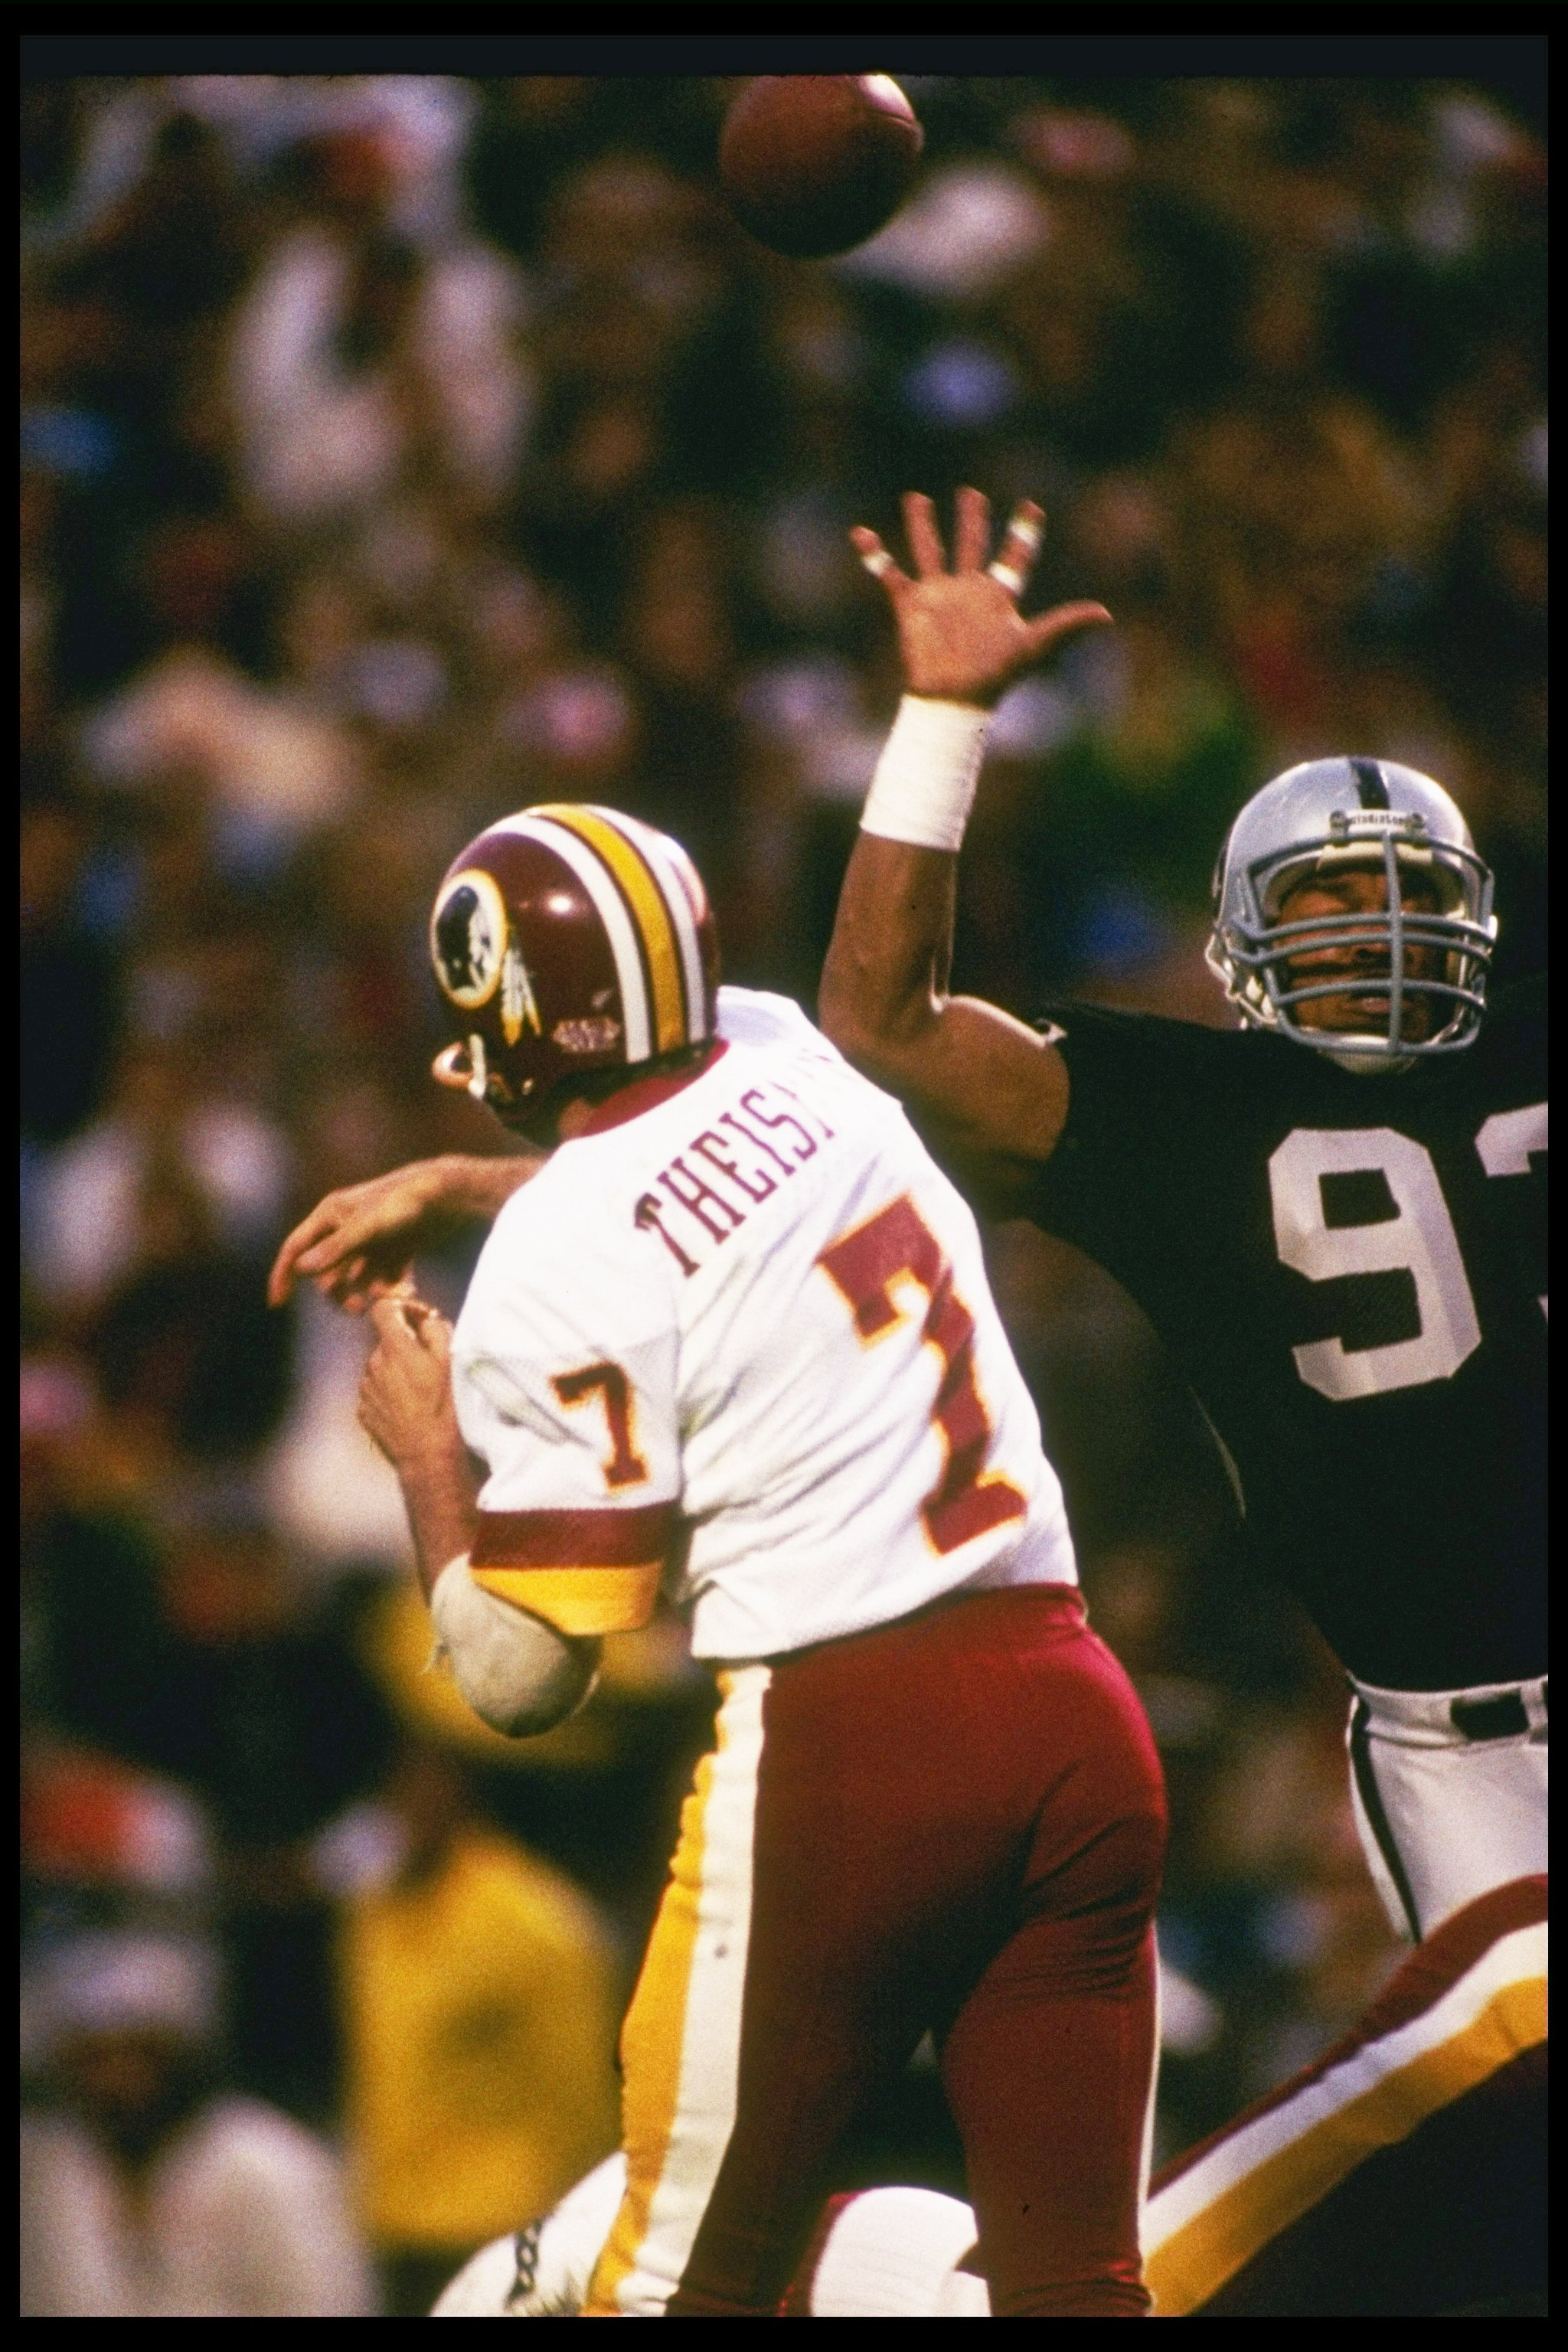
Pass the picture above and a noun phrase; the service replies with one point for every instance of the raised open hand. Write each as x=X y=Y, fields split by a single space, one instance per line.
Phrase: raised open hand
x=960 y=634
x=358 y=1244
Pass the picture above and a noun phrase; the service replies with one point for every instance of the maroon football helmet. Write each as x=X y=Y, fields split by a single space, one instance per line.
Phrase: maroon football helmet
x=568 y=940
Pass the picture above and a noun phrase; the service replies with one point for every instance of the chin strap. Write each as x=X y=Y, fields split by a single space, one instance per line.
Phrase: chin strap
x=463 y=1067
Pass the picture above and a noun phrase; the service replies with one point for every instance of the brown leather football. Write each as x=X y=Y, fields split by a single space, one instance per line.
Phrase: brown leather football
x=815 y=163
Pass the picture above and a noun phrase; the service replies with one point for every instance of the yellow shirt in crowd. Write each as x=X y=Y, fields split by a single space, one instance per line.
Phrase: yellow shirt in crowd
x=481 y=2009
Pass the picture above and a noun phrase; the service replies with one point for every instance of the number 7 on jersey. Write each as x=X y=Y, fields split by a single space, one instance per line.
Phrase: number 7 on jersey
x=624 y=1465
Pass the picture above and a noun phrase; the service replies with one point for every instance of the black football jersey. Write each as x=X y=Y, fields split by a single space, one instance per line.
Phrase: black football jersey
x=1351 y=1271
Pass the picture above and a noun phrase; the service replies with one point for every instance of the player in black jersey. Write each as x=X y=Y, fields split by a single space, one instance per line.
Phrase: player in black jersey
x=1334 y=1217
x=1332 y=1214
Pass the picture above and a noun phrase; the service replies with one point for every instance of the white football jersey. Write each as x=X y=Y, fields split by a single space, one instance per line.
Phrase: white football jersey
x=738 y=1336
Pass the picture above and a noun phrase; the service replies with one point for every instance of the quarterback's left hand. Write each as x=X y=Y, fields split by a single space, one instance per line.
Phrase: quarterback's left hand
x=406 y=1397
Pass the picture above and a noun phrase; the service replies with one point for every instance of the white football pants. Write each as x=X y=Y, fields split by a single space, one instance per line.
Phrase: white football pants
x=1449 y=1790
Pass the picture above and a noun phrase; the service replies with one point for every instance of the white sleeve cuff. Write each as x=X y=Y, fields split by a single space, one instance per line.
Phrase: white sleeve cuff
x=925 y=780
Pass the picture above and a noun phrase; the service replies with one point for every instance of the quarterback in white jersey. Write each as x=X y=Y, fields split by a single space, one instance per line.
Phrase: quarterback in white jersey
x=743 y=1341
x=734 y=1341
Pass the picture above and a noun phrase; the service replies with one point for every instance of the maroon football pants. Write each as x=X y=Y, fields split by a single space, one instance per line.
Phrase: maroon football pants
x=958 y=1827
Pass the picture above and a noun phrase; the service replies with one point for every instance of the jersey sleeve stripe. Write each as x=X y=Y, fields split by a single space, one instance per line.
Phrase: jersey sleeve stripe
x=595 y=1539
x=578 y=1601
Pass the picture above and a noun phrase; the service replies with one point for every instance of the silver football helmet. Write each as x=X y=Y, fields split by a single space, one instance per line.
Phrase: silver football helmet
x=1319 y=819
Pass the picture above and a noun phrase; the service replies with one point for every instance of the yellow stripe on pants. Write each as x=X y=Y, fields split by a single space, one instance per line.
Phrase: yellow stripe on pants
x=680 y=2046
x=1194 y=2261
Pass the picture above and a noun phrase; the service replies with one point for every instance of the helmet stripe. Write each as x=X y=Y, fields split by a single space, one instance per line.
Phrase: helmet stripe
x=1369 y=784
x=563 y=840
x=681 y=887
x=655 y=921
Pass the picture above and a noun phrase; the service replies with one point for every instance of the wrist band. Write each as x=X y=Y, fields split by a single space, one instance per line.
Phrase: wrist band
x=924 y=785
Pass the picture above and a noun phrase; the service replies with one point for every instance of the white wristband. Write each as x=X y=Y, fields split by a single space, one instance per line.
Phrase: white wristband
x=924 y=785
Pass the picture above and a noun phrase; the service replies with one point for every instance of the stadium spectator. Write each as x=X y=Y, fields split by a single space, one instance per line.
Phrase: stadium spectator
x=149 y=2191
x=479 y=1995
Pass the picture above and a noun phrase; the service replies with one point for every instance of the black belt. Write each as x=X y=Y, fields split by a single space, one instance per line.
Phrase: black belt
x=1492 y=1719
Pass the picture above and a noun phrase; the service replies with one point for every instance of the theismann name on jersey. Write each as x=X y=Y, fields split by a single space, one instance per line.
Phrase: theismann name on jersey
x=743 y=1343
x=713 y=1158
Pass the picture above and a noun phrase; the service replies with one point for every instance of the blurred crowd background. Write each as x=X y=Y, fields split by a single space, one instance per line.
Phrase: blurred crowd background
x=397 y=452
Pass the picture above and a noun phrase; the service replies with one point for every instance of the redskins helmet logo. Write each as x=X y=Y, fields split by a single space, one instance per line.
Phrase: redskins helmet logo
x=468 y=938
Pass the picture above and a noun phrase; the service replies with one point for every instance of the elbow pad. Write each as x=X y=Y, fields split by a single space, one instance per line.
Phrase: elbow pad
x=518 y=1674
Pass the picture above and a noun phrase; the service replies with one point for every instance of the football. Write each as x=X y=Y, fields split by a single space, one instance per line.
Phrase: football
x=815 y=163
